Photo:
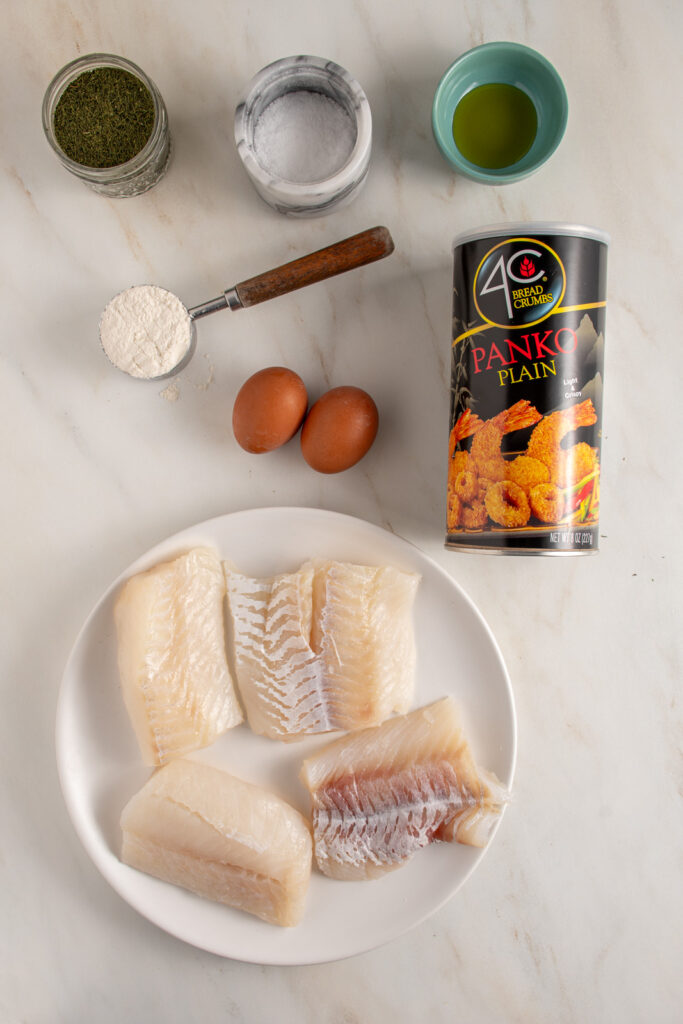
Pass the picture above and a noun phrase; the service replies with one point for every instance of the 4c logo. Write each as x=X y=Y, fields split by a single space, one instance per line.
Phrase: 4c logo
x=519 y=282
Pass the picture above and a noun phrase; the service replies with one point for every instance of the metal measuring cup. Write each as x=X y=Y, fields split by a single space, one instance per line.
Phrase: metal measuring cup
x=356 y=251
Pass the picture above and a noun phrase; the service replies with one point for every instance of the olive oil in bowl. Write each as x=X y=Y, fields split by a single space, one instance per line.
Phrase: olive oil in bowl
x=494 y=125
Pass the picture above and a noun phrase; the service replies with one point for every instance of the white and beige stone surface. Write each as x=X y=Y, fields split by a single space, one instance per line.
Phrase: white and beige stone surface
x=575 y=912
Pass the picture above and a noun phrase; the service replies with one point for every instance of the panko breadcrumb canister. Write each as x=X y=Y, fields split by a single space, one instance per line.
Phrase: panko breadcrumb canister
x=526 y=389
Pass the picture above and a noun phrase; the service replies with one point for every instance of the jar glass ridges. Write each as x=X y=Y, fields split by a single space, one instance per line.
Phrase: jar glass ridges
x=136 y=175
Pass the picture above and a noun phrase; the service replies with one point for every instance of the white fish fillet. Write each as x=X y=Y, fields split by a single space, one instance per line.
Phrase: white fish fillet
x=200 y=828
x=328 y=647
x=381 y=794
x=362 y=630
x=175 y=679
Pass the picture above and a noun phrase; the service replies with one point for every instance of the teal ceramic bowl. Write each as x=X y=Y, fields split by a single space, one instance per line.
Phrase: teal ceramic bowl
x=512 y=64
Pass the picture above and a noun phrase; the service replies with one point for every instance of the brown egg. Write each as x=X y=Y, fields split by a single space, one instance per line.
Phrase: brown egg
x=269 y=409
x=339 y=429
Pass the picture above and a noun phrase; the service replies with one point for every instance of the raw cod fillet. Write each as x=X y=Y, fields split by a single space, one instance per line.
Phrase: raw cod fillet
x=175 y=679
x=363 y=632
x=381 y=794
x=197 y=827
x=328 y=647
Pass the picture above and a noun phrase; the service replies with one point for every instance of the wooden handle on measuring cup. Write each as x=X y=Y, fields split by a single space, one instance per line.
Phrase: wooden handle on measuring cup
x=366 y=247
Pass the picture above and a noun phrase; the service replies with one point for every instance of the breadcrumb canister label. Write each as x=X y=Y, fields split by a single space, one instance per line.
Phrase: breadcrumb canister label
x=526 y=389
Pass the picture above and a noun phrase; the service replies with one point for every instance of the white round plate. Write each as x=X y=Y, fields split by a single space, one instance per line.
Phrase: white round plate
x=100 y=766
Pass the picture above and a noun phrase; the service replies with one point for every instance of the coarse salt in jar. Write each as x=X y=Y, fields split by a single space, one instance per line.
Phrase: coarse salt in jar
x=304 y=134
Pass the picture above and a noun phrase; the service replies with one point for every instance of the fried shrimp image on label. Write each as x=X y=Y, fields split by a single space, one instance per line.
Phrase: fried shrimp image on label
x=545 y=440
x=465 y=486
x=527 y=472
x=454 y=507
x=486 y=487
x=578 y=462
x=474 y=516
x=459 y=463
x=485 y=453
x=467 y=424
x=483 y=484
x=457 y=467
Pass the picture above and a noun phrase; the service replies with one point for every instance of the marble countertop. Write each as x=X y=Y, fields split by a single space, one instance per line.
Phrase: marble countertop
x=575 y=912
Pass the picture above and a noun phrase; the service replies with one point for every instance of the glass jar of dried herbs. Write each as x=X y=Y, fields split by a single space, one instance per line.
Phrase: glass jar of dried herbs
x=107 y=123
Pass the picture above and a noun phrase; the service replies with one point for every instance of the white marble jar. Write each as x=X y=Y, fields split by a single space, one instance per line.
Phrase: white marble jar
x=306 y=75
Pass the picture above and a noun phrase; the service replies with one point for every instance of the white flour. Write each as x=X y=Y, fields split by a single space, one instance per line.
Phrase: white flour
x=171 y=392
x=145 y=331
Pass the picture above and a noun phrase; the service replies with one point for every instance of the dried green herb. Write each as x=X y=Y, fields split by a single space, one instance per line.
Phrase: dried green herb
x=104 y=117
